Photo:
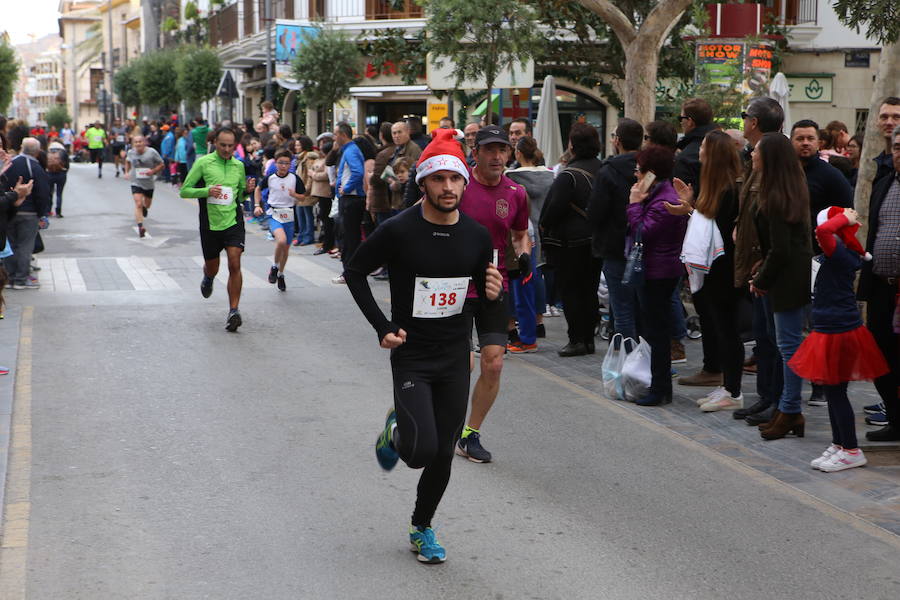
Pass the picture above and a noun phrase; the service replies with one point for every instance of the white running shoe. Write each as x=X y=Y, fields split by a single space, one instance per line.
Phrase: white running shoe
x=842 y=460
x=724 y=403
x=829 y=452
x=716 y=394
x=339 y=280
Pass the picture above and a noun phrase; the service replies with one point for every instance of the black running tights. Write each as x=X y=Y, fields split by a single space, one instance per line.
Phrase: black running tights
x=431 y=395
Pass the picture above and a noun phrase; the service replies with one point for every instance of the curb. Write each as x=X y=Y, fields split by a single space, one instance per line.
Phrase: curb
x=10 y=330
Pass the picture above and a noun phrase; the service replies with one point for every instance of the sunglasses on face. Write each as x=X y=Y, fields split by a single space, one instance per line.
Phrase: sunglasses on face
x=744 y=115
x=682 y=117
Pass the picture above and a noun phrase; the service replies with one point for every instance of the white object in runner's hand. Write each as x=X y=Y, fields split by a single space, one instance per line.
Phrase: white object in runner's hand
x=436 y=298
x=496 y=258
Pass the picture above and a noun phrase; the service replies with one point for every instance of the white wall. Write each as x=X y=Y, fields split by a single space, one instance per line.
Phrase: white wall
x=835 y=34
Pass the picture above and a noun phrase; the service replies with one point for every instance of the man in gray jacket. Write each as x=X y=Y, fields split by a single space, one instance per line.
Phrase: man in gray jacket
x=23 y=228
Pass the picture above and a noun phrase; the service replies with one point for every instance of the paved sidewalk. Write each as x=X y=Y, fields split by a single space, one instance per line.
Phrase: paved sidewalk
x=871 y=493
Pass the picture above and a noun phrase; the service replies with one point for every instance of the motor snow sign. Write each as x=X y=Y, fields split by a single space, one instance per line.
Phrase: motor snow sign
x=813 y=87
x=734 y=64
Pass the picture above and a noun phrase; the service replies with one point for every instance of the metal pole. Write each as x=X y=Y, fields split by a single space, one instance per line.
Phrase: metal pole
x=110 y=58
x=268 y=21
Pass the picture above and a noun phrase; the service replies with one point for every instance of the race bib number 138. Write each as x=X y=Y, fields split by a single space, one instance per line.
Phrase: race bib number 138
x=435 y=298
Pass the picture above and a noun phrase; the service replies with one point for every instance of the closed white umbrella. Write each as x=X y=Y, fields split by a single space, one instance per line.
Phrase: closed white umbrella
x=780 y=92
x=546 y=128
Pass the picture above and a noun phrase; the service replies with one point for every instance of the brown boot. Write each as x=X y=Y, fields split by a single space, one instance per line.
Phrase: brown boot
x=702 y=379
x=677 y=352
x=783 y=425
x=764 y=426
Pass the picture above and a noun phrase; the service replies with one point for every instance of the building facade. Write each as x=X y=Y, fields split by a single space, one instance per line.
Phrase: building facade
x=81 y=59
x=831 y=68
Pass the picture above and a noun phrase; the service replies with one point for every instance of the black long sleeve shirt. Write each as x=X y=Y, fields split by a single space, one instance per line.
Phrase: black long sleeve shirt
x=413 y=247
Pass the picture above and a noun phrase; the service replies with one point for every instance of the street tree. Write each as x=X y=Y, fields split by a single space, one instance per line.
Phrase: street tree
x=326 y=68
x=198 y=73
x=641 y=39
x=57 y=116
x=9 y=74
x=881 y=21
x=125 y=84
x=156 y=77
x=482 y=38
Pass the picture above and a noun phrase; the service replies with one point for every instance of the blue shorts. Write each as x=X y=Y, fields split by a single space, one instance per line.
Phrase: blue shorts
x=288 y=228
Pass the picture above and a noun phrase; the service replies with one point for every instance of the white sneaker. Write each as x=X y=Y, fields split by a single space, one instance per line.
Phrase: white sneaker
x=842 y=460
x=726 y=402
x=717 y=393
x=339 y=280
x=829 y=452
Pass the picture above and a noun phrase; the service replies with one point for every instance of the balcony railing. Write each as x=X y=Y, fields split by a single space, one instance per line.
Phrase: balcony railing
x=223 y=25
x=793 y=12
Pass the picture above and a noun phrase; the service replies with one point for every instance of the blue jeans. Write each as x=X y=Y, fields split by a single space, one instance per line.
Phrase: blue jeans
x=623 y=299
x=306 y=223
x=789 y=336
x=769 y=370
x=523 y=295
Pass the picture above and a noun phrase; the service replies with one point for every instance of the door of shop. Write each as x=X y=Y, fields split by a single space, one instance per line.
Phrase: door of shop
x=391 y=112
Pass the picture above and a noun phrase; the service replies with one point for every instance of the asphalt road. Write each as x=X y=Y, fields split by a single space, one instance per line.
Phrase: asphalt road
x=172 y=460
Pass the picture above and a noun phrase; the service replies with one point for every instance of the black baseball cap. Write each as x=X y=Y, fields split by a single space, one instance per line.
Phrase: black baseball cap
x=491 y=135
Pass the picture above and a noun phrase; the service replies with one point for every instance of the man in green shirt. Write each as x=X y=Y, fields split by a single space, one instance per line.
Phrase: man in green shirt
x=199 y=134
x=217 y=180
x=96 y=139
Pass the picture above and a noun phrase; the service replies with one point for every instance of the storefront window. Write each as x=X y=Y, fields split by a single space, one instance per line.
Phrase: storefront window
x=573 y=107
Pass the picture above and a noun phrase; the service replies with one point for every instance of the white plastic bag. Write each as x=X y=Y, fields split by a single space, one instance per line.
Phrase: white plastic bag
x=619 y=348
x=335 y=206
x=635 y=373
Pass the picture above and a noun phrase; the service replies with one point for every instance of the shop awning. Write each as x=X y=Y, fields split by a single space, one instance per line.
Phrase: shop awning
x=495 y=105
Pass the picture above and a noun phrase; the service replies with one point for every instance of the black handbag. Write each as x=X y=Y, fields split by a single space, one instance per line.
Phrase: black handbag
x=634 y=265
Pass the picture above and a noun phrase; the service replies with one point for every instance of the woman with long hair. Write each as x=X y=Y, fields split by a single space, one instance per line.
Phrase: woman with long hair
x=783 y=277
x=718 y=200
x=854 y=153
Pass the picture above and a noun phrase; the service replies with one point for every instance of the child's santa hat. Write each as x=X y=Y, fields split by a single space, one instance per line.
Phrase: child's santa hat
x=846 y=233
x=444 y=153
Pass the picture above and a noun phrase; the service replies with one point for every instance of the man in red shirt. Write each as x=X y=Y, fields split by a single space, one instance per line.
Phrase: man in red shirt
x=501 y=206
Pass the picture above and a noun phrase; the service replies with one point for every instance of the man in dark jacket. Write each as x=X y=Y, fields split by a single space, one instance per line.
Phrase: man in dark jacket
x=23 y=228
x=878 y=286
x=888 y=120
x=696 y=121
x=827 y=186
x=606 y=212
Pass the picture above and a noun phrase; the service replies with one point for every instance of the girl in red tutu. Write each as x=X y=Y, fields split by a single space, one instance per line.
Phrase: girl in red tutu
x=840 y=348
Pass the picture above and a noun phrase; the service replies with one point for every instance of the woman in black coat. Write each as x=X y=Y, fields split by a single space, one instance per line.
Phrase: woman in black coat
x=567 y=237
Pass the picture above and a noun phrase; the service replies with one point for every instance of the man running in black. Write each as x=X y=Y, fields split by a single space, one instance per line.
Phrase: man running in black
x=432 y=252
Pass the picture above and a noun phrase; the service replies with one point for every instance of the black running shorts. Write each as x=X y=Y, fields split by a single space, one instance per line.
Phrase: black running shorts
x=96 y=154
x=213 y=242
x=491 y=320
x=139 y=190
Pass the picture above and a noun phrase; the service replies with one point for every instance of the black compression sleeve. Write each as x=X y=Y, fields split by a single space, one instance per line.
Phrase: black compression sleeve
x=371 y=254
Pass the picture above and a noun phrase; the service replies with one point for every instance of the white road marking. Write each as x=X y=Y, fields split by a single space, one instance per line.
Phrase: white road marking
x=145 y=275
x=309 y=270
x=250 y=279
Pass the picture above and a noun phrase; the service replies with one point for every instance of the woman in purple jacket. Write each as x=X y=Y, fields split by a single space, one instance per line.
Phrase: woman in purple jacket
x=662 y=234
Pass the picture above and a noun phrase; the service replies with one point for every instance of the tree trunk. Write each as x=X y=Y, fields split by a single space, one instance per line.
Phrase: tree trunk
x=641 y=62
x=887 y=83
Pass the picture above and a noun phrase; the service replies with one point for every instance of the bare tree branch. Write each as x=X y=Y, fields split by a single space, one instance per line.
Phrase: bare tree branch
x=660 y=20
x=615 y=18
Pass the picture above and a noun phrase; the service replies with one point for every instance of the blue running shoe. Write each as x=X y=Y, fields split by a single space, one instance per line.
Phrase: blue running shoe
x=874 y=409
x=384 y=448
x=424 y=543
x=877 y=419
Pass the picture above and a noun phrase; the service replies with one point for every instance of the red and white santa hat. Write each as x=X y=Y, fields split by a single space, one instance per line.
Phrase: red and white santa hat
x=444 y=153
x=846 y=233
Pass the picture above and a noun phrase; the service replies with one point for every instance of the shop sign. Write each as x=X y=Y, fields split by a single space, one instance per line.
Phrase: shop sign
x=812 y=88
x=441 y=78
x=436 y=112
